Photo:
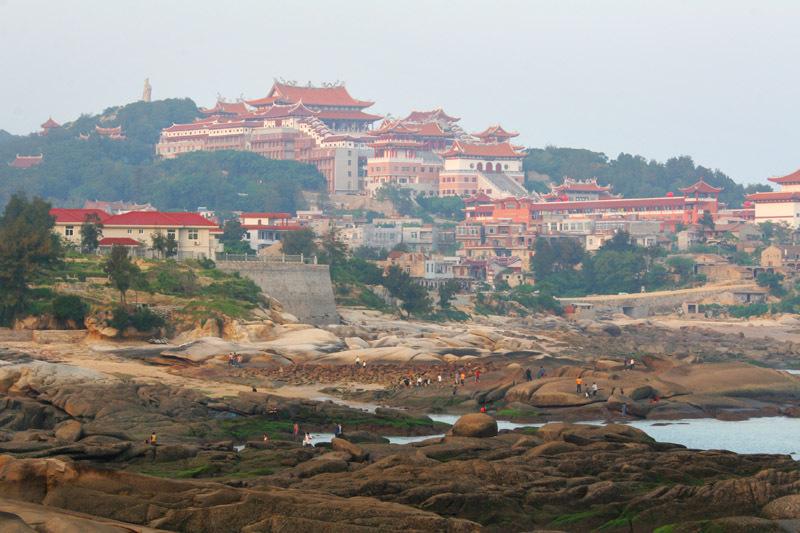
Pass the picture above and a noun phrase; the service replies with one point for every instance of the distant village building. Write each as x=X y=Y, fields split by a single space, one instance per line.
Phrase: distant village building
x=784 y=258
x=265 y=229
x=26 y=161
x=782 y=206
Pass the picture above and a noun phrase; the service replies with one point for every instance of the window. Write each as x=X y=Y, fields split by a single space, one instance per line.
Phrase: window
x=69 y=231
x=130 y=231
x=141 y=231
x=170 y=233
x=193 y=234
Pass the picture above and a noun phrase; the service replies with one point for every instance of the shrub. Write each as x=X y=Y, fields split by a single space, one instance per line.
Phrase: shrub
x=143 y=319
x=69 y=307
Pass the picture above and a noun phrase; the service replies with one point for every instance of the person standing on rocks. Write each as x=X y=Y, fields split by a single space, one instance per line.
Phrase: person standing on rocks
x=463 y=378
x=477 y=375
x=153 y=439
x=337 y=432
x=578 y=385
x=594 y=388
x=307 y=440
x=358 y=361
x=540 y=373
x=528 y=375
x=295 y=431
x=439 y=379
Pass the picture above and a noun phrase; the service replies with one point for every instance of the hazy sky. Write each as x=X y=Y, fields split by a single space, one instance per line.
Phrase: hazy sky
x=717 y=80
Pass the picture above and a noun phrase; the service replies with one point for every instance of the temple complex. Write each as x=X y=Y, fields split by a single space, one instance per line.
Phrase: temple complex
x=782 y=206
x=578 y=191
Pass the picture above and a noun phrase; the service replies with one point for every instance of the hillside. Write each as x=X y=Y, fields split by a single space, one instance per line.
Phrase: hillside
x=630 y=175
x=75 y=169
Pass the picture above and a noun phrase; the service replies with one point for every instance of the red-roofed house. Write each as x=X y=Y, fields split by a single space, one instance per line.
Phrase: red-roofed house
x=782 y=206
x=68 y=222
x=196 y=235
x=573 y=190
x=492 y=169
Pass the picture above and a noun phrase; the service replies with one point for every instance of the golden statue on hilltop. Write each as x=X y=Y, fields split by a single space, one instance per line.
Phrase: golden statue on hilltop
x=147 y=90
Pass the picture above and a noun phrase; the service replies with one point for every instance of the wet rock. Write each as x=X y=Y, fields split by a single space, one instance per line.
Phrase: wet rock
x=787 y=507
x=70 y=431
x=478 y=425
x=356 y=452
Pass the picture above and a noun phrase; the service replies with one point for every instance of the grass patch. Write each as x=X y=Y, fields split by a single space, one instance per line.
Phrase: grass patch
x=252 y=427
x=517 y=413
x=573 y=518
x=623 y=520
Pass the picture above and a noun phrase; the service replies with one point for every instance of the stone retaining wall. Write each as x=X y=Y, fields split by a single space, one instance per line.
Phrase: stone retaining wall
x=305 y=291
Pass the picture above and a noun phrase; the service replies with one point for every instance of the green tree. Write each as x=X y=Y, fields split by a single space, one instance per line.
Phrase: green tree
x=91 y=233
x=448 y=291
x=299 y=242
x=620 y=242
x=707 y=220
x=28 y=248
x=413 y=295
x=170 y=246
x=682 y=266
x=773 y=281
x=231 y=239
x=334 y=251
x=121 y=271
x=400 y=197
x=158 y=243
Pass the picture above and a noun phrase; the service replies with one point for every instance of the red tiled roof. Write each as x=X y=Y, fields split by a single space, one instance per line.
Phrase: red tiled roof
x=478 y=198
x=65 y=216
x=428 y=116
x=50 y=124
x=119 y=241
x=261 y=102
x=26 y=161
x=432 y=129
x=188 y=127
x=230 y=108
x=265 y=215
x=496 y=131
x=288 y=110
x=794 y=177
x=316 y=96
x=701 y=186
x=160 y=219
x=347 y=115
x=116 y=130
x=793 y=196
x=483 y=150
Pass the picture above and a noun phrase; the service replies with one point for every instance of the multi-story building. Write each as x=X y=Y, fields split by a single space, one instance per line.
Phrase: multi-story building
x=402 y=159
x=265 y=229
x=323 y=126
x=491 y=169
x=782 y=206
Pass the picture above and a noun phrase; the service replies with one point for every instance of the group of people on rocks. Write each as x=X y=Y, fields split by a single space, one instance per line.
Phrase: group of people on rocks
x=458 y=377
x=359 y=363
x=539 y=374
x=235 y=359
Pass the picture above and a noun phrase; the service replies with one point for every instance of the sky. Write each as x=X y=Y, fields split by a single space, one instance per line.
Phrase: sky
x=716 y=80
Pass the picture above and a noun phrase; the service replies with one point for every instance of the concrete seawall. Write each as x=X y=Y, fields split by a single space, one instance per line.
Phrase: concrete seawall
x=304 y=290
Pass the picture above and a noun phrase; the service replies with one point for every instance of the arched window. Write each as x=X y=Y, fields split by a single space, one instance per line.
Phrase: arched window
x=480 y=166
x=497 y=167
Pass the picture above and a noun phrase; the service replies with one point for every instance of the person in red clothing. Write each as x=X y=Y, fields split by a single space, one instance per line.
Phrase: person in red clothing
x=483 y=408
